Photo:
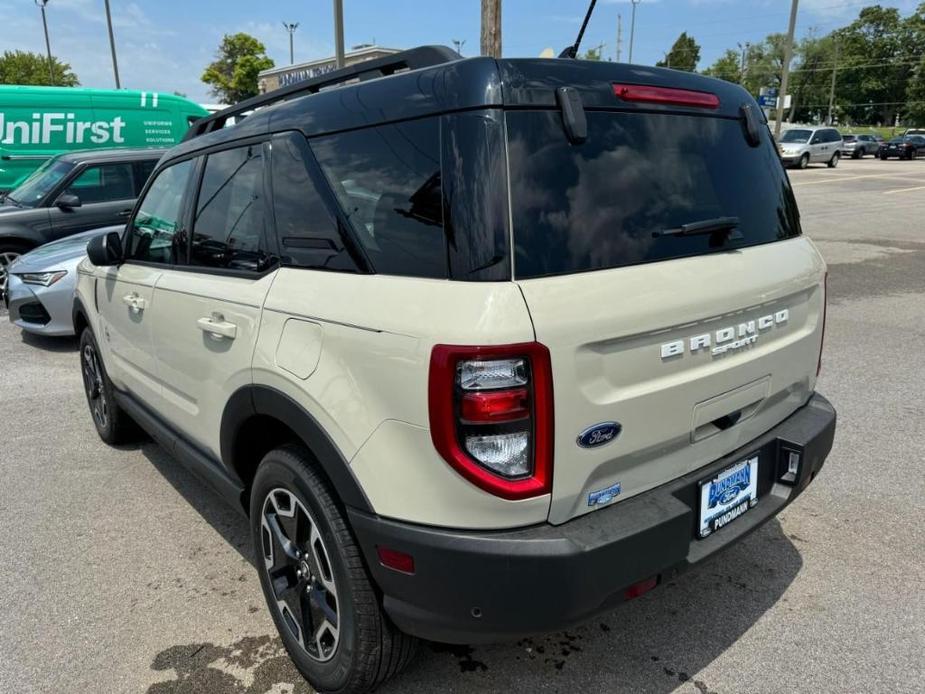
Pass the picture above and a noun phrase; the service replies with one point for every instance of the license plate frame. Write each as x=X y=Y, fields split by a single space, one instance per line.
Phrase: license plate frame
x=727 y=495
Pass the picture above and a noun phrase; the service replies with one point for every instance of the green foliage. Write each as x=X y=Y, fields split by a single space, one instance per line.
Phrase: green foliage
x=684 y=54
x=23 y=67
x=233 y=74
x=877 y=59
x=591 y=54
x=727 y=67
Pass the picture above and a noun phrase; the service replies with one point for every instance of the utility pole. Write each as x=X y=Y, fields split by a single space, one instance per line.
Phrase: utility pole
x=743 y=67
x=632 y=29
x=832 y=89
x=112 y=46
x=667 y=58
x=290 y=27
x=785 y=77
x=459 y=44
x=619 y=36
x=339 y=33
x=491 y=28
x=51 y=74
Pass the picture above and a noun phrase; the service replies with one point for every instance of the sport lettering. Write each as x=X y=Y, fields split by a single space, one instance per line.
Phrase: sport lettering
x=60 y=129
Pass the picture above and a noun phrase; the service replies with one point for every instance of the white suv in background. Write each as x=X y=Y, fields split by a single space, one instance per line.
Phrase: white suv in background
x=801 y=147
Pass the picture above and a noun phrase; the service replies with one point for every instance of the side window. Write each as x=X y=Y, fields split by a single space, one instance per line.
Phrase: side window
x=308 y=235
x=143 y=171
x=387 y=180
x=228 y=229
x=156 y=233
x=103 y=183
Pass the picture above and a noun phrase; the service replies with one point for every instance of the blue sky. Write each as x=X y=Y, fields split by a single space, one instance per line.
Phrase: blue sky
x=164 y=44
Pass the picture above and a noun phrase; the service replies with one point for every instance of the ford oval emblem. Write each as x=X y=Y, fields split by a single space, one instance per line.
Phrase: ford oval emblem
x=599 y=434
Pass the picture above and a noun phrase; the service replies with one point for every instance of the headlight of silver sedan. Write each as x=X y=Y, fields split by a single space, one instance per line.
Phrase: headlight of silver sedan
x=46 y=279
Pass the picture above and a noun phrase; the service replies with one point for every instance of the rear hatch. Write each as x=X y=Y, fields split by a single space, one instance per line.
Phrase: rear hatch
x=692 y=344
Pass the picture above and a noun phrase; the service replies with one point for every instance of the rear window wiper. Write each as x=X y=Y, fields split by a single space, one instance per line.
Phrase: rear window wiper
x=730 y=225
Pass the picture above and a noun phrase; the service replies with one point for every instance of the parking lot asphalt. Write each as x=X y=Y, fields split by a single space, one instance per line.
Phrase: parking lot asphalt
x=122 y=573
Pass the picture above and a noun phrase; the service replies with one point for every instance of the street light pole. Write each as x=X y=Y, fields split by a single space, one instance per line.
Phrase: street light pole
x=832 y=90
x=632 y=29
x=291 y=27
x=112 y=46
x=339 y=33
x=785 y=77
x=51 y=74
x=459 y=44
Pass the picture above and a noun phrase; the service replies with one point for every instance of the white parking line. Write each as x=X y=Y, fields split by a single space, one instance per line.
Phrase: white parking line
x=848 y=178
x=902 y=190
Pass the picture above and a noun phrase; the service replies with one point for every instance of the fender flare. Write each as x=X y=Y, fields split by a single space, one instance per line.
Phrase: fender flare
x=21 y=234
x=79 y=310
x=252 y=400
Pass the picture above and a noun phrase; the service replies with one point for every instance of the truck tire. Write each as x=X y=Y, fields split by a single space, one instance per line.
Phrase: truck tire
x=315 y=581
x=112 y=423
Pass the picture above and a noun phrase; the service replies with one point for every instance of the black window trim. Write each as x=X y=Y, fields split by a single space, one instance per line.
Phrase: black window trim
x=188 y=207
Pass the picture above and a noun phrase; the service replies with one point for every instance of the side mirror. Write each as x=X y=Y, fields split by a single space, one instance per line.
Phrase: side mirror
x=67 y=201
x=105 y=250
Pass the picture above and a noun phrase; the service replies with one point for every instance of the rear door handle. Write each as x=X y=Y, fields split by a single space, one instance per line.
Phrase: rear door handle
x=134 y=302
x=217 y=325
x=123 y=213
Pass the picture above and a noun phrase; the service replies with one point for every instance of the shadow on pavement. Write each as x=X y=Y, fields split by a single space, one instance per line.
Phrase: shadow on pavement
x=50 y=344
x=652 y=644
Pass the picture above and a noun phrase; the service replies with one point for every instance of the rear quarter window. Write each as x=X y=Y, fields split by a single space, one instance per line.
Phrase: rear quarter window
x=597 y=205
x=387 y=180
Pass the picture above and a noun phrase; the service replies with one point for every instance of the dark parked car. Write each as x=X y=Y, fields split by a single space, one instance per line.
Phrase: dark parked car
x=903 y=147
x=858 y=146
x=71 y=193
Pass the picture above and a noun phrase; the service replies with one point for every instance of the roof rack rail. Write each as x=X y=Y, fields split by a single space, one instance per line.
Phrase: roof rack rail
x=412 y=59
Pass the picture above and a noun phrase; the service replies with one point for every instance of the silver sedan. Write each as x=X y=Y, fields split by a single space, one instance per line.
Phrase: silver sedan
x=40 y=284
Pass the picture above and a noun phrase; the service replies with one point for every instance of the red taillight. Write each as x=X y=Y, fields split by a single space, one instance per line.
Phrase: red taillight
x=496 y=406
x=393 y=559
x=825 y=310
x=665 y=95
x=491 y=415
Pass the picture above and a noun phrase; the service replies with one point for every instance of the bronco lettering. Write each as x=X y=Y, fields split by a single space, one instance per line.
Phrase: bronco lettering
x=727 y=339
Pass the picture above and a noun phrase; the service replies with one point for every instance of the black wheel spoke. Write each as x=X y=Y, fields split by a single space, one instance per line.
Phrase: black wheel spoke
x=300 y=574
x=279 y=535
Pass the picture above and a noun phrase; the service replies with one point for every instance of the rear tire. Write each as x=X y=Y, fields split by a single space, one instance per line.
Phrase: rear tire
x=833 y=162
x=804 y=161
x=112 y=422
x=857 y=154
x=319 y=580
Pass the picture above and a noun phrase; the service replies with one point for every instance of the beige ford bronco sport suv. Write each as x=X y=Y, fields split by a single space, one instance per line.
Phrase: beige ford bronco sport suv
x=458 y=335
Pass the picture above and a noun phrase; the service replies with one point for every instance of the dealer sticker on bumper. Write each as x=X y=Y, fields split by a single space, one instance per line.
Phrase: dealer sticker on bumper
x=728 y=495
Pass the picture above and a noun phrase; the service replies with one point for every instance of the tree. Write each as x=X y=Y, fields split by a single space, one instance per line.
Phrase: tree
x=684 y=54
x=233 y=74
x=726 y=67
x=591 y=54
x=23 y=67
x=915 y=96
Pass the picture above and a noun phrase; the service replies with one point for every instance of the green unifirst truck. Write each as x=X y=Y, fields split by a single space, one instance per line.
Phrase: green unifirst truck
x=36 y=123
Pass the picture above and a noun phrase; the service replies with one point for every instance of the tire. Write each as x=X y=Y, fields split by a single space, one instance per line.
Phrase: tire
x=112 y=422
x=291 y=500
x=833 y=162
x=9 y=252
x=804 y=162
x=856 y=154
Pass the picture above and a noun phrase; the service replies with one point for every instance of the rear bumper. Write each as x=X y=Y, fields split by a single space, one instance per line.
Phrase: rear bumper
x=476 y=587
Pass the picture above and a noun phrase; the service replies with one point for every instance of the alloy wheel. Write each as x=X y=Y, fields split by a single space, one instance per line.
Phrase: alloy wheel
x=300 y=573
x=6 y=259
x=93 y=384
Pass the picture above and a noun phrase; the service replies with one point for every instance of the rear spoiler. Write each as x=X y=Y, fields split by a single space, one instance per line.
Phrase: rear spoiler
x=412 y=59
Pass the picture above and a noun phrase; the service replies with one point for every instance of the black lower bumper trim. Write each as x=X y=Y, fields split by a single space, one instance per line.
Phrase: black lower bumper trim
x=477 y=587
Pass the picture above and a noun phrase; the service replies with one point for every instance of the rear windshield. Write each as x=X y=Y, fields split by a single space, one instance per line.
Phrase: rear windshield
x=796 y=135
x=604 y=203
